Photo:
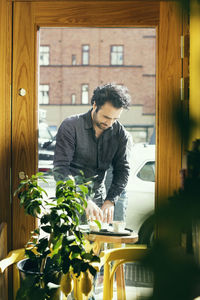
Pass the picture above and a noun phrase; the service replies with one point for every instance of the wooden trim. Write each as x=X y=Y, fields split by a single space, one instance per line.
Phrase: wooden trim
x=95 y=13
x=185 y=75
x=194 y=105
x=5 y=113
x=170 y=71
x=24 y=121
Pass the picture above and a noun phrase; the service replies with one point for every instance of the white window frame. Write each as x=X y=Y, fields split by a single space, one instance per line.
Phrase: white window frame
x=85 y=54
x=73 y=59
x=44 y=55
x=117 y=55
x=84 y=93
x=43 y=94
x=73 y=98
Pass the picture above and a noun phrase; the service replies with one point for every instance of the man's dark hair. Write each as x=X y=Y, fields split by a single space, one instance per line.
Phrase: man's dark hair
x=117 y=95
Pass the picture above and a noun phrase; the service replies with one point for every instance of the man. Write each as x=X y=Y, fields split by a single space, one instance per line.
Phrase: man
x=93 y=141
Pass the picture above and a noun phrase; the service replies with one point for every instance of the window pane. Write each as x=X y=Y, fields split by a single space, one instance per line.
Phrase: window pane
x=147 y=172
x=44 y=94
x=117 y=55
x=73 y=59
x=85 y=54
x=73 y=98
x=85 y=94
x=44 y=55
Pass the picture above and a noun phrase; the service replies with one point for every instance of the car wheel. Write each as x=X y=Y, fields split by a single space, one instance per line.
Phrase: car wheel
x=146 y=231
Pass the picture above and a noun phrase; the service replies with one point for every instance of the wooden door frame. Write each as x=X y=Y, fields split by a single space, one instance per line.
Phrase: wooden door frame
x=169 y=71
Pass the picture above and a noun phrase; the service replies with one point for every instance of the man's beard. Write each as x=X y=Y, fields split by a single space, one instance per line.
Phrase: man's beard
x=100 y=125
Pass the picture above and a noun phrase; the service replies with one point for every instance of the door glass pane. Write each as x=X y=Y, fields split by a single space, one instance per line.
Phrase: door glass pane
x=125 y=56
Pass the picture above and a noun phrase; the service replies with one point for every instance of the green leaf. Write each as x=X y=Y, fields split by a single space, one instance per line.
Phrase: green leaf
x=56 y=246
x=87 y=256
x=30 y=254
x=46 y=228
x=60 y=200
x=67 y=240
x=95 y=258
x=42 y=245
x=75 y=249
x=92 y=270
x=83 y=188
x=45 y=219
x=98 y=223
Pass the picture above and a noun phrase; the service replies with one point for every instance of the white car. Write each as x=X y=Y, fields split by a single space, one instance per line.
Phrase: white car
x=141 y=187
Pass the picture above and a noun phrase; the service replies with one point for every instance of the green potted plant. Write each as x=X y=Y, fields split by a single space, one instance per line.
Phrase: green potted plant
x=59 y=255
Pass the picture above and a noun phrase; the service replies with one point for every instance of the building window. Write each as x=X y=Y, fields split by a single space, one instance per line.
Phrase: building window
x=73 y=59
x=44 y=94
x=85 y=54
x=73 y=98
x=44 y=55
x=117 y=55
x=84 y=94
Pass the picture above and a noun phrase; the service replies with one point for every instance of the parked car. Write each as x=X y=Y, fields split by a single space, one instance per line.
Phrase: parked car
x=45 y=163
x=45 y=138
x=141 y=189
x=46 y=146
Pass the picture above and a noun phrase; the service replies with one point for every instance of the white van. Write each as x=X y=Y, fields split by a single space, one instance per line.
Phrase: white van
x=141 y=186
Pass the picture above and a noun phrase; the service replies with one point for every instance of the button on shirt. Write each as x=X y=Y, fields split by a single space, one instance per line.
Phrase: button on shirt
x=77 y=148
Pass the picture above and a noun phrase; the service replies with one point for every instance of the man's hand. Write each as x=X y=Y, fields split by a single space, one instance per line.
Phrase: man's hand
x=93 y=212
x=108 y=211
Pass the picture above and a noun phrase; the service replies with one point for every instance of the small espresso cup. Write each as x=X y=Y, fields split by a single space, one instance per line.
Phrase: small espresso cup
x=118 y=226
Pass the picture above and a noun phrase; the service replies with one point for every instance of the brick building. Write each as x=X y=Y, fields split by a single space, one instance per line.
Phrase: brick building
x=73 y=61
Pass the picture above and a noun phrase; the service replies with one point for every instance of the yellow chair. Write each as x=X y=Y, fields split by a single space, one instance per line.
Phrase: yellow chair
x=119 y=256
x=15 y=256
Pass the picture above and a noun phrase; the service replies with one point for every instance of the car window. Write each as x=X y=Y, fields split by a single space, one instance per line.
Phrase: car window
x=147 y=172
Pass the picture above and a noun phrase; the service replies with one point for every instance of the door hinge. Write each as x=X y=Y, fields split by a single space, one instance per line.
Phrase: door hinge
x=184 y=88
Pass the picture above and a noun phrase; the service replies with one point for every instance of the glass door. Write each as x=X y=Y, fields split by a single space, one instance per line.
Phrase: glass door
x=123 y=33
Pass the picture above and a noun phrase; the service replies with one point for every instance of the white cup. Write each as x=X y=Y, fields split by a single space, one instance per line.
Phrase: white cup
x=118 y=226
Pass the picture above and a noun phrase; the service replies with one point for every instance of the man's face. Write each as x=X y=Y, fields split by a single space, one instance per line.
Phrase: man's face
x=106 y=115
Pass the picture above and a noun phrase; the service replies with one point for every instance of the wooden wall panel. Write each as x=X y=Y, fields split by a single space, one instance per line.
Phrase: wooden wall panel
x=5 y=113
x=24 y=121
x=170 y=71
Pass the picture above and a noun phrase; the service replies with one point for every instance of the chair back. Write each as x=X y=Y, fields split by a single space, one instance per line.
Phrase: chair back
x=3 y=253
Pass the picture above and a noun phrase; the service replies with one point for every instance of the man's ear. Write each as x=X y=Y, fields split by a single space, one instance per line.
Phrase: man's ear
x=94 y=106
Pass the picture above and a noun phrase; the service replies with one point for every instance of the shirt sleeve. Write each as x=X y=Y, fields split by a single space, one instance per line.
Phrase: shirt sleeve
x=64 y=150
x=121 y=168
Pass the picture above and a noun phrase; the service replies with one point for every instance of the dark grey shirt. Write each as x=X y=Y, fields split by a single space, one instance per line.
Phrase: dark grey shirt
x=77 y=148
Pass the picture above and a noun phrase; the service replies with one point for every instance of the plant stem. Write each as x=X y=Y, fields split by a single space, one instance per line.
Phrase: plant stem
x=44 y=260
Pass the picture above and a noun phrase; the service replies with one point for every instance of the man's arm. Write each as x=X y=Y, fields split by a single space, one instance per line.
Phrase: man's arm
x=116 y=184
x=121 y=168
